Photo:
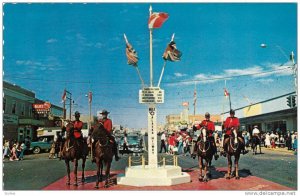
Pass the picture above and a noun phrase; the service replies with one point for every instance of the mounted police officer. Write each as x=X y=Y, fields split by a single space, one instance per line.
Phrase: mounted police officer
x=231 y=126
x=107 y=124
x=210 y=127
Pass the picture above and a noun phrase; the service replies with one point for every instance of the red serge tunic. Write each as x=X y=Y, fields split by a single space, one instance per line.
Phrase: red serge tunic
x=77 y=128
x=209 y=125
x=231 y=122
x=107 y=123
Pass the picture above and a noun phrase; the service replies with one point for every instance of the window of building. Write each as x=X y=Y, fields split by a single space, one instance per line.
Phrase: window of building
x=23 y=109
x=4 y=104
x=14 y=107
x=30 y=111
x=276 y=126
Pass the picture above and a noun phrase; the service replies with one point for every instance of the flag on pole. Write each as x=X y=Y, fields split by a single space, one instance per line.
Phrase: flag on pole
x=132 y=57
x=157 y=19
x=226 y=93
x=90 y=97
x=171 y=53
x=64 y=96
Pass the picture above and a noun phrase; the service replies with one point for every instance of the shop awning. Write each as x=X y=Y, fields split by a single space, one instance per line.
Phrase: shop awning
x=31 y=122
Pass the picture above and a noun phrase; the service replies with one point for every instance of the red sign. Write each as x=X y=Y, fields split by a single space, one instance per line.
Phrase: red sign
x=43 y=106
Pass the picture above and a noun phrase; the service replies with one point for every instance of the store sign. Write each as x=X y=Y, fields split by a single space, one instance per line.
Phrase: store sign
x=41 y=108
x=10 y=119
x=151 y=95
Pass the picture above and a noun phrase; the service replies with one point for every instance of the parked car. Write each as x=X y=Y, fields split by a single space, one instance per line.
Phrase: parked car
x=42 y=144
x=135 y=144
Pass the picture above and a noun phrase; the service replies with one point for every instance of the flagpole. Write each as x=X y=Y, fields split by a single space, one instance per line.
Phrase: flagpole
x=165 y=63
x=138 y=71
x=162 y=72
x=195 y=98
x=151 y=70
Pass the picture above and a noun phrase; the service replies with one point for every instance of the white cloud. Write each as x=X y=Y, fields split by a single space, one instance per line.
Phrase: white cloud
x=52 y=40
x=179 y=74
x=265 y=81
x=254 y=71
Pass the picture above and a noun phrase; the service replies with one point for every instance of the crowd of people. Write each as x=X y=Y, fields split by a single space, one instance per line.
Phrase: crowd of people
x=14 y=150
x=177 y=142
x=274 y=140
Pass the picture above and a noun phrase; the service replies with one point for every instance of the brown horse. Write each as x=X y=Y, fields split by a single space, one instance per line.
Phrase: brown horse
x=232 y=150
x=205 y=154
x=73 y=150
x=103 y=153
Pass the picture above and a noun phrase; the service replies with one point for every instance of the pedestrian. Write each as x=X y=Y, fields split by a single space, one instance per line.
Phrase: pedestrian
x=180 y=143
x=288 y=141
x=22 y=148
x=27 y=144
x=295 y=145
x=6 y=149
x=171 y=143
x=18 y=149
x=14 y=153
x=52 y=151
x=268 y=141
x=163 y=142
x=125 y=144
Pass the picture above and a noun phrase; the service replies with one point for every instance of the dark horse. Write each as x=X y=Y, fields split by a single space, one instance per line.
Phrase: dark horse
x=232 y=150
x=103 y=153
x=205 y=153
x=73 y=150
x=255 y=141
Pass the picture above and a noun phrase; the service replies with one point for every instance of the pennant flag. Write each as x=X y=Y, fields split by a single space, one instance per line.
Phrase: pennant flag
x=226 y=93
x=185 y=103
x=171 y=53
x=64 y=96
x=157 y=19
x=132 y=58
x=90 y=97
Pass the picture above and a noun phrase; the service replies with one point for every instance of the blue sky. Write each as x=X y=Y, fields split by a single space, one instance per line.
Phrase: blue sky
x=80 y=47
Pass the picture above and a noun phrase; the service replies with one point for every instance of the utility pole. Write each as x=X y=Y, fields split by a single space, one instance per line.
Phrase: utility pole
x=295 y=72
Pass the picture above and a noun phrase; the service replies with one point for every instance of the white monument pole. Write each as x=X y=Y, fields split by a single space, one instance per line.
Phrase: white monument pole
x=153 y=174
x=152 y=131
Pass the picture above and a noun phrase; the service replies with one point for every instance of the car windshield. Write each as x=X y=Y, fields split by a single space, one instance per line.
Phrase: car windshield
x=131 y=139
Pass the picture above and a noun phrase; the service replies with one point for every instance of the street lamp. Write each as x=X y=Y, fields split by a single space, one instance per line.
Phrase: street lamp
x=290 y=59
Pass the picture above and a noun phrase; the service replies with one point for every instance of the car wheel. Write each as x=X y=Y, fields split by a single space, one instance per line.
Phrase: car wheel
x=36 y=150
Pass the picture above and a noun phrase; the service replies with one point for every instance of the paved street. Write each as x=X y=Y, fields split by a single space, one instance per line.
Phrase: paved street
x=37 y=171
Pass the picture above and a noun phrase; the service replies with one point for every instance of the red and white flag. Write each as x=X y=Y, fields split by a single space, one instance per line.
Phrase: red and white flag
x=185 y=103
x=90 y=97
x=226 y=93
x=157 y=19
x=64 y=97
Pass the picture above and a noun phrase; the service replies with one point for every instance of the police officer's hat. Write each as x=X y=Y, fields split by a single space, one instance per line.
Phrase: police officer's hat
x=77 y=113
x=232 y=111
x=207 y=115
x=104 y=112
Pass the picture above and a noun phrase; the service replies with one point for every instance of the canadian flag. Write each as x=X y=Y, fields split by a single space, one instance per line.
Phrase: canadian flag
x=157 y=19
x=226 y=93
x=64 y=96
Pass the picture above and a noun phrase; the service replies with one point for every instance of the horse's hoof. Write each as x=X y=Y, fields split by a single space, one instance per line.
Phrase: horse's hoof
x=96 y=187
x=75 y=184
x=200 y=179
x=237 y=177
x=106 y=186
x=227 y=177
x=68 y=183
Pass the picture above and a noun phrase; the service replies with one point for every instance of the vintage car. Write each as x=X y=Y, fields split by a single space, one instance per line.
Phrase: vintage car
x=135 y=144
x=42 y=144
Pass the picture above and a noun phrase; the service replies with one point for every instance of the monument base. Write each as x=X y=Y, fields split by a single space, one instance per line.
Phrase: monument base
x=150 y=176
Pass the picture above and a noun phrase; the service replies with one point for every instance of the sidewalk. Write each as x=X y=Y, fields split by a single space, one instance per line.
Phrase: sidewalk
x=284 y=150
